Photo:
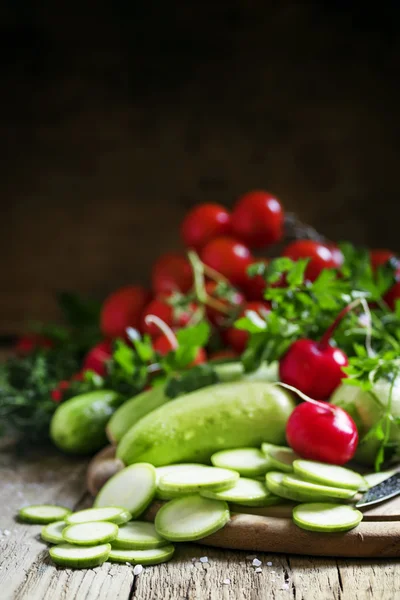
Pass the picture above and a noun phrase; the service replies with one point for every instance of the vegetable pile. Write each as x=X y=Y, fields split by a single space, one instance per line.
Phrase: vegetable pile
x=200 y=382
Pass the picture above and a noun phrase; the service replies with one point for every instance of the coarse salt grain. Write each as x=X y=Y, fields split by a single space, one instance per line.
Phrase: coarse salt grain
x=226 y=581
x=269 y=564
x=256 y=562
x=258 y=570
x=285 y=586
x=137 y=570
x=6 y=532
x=204 y=559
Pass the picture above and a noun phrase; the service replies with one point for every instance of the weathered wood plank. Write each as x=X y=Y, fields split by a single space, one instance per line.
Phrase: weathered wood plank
x=26 y=573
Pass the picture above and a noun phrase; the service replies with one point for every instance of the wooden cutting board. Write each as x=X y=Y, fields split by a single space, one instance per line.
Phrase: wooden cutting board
x=271 y=529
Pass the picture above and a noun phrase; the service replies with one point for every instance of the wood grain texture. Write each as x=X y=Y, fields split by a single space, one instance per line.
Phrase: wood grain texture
x=123 y=132
x=27 y=574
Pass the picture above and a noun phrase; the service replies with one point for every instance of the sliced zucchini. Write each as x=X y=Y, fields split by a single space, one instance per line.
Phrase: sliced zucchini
x=154 y=556
x=280 y=458
x=53 y=532
x=160 y=471
x=43 y=513
x=247 y=492
x=90 y=534
x=274 y=481
x=138 y=535
x=329 y=474
x=78 y=557
x=132 y=488
x=375 y=478
x=196 y=478
x=321 y=516
x=319 y=491
x=114 y=514
x=249 y=462
x=191 y=518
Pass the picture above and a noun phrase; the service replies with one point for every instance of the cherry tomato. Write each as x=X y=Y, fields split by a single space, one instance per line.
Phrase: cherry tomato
x=257 y=219
x=392 y=295
x=228 y=257
x=27 y=343
x=321 y=256
x=203 y=223
x=237 y=338
x=122 y=309
x=162 y=344
x=379 y=257
x=174 y=317
x=171 y=273
x=232 y=300
x=254 y=287
x=96 y=359
x=322 y=432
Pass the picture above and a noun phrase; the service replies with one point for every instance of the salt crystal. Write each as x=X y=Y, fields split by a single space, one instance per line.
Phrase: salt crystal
x=285 y=586
x=256 y=562
x=269 y=564
x=226 y=581
x=204 y=559
x=251 y=557
x=258 y=570
x=6 y=532
x=137 y=570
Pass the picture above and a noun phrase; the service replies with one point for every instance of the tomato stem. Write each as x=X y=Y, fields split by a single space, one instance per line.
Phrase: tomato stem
x=305 y=397
x=164 y=328
x=199 y=270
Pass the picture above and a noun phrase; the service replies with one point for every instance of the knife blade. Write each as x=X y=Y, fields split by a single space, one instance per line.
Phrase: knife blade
x=389 y=488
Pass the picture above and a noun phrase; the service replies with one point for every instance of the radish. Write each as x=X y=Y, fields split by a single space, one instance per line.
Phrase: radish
x=315 y=367
x=322 y=432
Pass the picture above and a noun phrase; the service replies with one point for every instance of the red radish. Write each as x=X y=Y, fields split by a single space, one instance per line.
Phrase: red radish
x=315 y=367
x=257 y=219
x=392 y=295
x=174 y=317
x=228 y=257
x=231 y=301
x=254 y=287
x=96 y=359
x=27 y=343
x=123 y=309
x=171 y=272
x=321 y=256
x=237 y=338
x=322 y=432
x=203 y=223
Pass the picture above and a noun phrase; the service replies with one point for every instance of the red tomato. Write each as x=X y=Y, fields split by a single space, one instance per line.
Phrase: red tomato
x=392 y=295
x=228 y=257
x=254 y=287
x=257 y=219
x=379 y=257
x=96 y=359
x=122 y=309
x=321 y=256
x=172 y=272
x=232 y=301
x=27 y=343
x=173 y=317
x=163 y=346
x=322 y=432
x=237 y=338
x=203 y=223
x=221 y=354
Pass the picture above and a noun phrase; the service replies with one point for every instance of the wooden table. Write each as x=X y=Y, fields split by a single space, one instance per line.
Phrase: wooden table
x=26 y=573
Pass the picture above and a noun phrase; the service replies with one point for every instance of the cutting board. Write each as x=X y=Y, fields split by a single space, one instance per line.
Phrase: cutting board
x=271 y=529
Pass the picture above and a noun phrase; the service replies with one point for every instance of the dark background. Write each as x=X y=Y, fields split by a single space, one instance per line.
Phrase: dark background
x=116 y=117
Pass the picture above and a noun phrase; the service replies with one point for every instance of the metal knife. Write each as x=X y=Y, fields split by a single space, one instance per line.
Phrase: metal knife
x=389 y=488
